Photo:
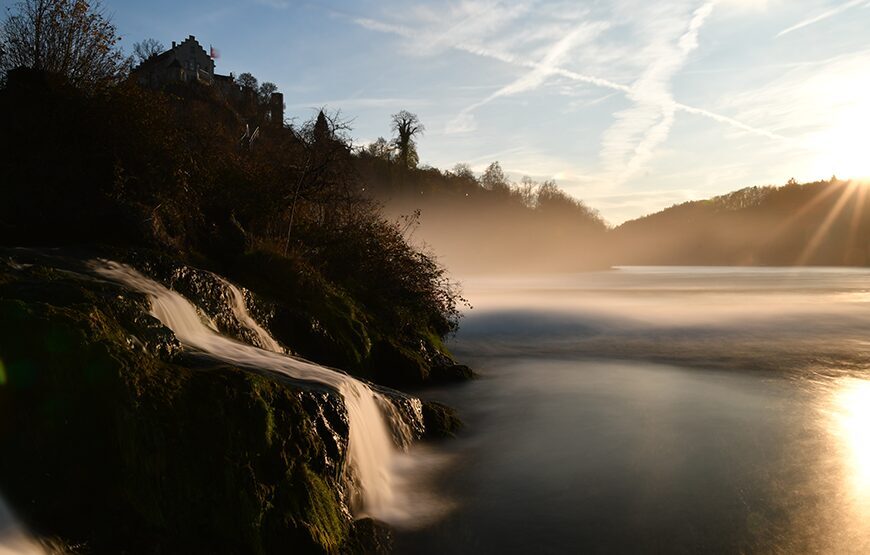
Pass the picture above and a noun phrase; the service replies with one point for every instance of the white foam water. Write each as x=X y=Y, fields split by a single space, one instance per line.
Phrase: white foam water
x=240 y=310
x=373 y=457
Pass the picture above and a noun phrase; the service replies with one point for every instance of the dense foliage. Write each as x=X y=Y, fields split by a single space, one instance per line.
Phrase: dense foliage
x=73 y=38
x=165 y=170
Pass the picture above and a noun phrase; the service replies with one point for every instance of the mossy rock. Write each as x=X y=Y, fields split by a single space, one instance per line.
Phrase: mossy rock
x=396 y=365
x=124 y=451
x=440 y=421
x=313 y=317
x=447 y=373
x=369 y=537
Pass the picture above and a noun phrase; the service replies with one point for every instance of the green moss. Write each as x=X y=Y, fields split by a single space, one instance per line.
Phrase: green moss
x=147 y=453
x=321 y=516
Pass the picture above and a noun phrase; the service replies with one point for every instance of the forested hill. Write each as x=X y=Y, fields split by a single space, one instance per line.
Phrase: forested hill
x=820 y=223
x=490 y=224
x=487 y=223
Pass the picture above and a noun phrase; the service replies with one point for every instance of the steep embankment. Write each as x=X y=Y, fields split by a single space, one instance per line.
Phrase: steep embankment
x=124 y=440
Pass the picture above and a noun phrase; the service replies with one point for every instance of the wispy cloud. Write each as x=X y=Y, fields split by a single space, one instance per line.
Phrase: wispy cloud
x=464 y=121
x=535 y=77
x=630 y=48
x=363 y=102
x=382 y=27
x=277 y=4
x=630 y=143
x=823 y=16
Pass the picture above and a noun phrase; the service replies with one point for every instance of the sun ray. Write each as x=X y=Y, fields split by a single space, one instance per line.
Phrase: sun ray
x=817 y=237
x=786 y=223
x=857 y=212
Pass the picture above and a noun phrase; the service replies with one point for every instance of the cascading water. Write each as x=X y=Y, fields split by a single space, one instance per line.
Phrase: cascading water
x=372 y=454
x=240 y=310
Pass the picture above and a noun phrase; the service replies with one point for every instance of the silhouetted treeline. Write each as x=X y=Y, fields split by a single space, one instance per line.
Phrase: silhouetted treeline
x=820 y=223
x=487 y=223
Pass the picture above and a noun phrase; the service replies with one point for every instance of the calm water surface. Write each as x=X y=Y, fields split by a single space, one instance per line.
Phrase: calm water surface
x=661 y=410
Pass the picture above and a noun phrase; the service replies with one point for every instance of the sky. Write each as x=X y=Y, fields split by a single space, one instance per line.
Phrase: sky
x=630 y=105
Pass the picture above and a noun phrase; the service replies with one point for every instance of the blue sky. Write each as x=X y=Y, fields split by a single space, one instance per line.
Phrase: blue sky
x=631 y=105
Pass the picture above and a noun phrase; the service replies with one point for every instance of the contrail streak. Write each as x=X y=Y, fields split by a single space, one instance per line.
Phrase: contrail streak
x=821 y=17
x=478 y=50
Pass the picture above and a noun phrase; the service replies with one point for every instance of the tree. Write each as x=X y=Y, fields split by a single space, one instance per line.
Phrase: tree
x=144 y=49
x=463 y=171
x=407 y=127
x=380 y=149
x=494 y=179
x=266 y=90
x=246 y=80
x=552 y=200
x=73 y=38
x=526 y=191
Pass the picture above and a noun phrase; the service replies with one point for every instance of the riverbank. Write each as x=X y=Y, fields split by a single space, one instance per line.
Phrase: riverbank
x=156 y=446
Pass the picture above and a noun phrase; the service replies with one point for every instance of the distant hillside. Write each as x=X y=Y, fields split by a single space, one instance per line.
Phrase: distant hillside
x=488 y=224
x=821 y=223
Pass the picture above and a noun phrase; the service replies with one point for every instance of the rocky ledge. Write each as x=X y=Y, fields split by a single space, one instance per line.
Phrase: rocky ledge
x=125 y=443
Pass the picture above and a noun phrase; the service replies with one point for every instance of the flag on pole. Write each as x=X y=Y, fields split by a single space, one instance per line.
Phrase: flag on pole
x=213 y=52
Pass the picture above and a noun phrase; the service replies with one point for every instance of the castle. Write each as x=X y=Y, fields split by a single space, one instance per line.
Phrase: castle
x=188 y=62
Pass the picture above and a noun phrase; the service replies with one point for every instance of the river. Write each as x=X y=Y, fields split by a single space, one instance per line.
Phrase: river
x=675 y=410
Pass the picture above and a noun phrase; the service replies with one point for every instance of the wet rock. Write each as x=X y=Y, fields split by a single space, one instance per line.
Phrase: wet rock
x=440 y=420
x=122 y=444
x=451 y=373
x=209 y=292
x=368 y=536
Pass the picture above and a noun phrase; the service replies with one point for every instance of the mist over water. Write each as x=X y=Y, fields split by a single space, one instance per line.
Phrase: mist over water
x=750 y=318
x=663 y=410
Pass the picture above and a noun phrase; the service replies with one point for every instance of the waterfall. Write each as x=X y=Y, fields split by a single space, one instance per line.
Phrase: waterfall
x=240 y=310
x=372 y=455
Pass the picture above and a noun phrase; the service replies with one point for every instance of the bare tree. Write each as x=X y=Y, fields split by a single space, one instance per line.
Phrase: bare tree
x=247 y=81
x=266 y=90
x=526 y=191
x=407 y=128
x=143 y=50
x=73 y=38
x=327 y=180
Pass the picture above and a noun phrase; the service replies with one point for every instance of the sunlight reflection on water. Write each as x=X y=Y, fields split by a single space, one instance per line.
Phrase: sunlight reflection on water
x=850 y=413
x=663 y=409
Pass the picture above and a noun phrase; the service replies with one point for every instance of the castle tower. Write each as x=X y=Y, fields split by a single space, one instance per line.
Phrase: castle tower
x=276 y=109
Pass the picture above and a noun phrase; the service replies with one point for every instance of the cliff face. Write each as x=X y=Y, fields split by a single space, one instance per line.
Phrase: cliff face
x=123 y=442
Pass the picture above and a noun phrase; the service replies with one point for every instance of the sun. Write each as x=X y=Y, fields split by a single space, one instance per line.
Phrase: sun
x=843 y=149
